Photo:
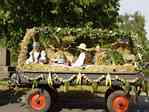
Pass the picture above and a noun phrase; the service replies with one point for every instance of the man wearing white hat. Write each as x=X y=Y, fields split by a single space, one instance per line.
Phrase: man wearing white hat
x=80 y=61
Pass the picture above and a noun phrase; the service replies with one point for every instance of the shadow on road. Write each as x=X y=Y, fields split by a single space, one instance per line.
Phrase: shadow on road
x=79 y=100
x=86 y=101
x=4 y=97
x=10 y=96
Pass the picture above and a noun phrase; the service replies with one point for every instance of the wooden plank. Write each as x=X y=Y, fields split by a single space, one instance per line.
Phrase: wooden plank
x=5 y=71
x=4 y=57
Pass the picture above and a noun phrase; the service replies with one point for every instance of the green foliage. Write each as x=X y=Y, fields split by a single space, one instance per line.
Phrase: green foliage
x=17 y=15
x=146 y=72
x=135 y=24
x=117 y=58
x=102 y=13
x=72 y=37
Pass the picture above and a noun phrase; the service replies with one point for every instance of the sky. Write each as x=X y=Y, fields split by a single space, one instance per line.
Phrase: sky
x=131 y=6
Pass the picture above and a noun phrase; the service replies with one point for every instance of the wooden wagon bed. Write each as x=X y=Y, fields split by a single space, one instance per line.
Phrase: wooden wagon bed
x=127 y=72
x=83 y=69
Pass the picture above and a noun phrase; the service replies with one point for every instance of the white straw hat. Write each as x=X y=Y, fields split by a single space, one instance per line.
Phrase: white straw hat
x=82 y=46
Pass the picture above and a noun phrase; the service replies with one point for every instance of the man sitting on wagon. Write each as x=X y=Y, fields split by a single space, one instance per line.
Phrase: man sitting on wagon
x=100 y=55
x=81 y=59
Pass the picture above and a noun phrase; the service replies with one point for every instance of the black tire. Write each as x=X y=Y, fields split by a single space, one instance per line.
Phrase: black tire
x=117 y=100
x=108 y=92
x=44 y=100
x=111 y=90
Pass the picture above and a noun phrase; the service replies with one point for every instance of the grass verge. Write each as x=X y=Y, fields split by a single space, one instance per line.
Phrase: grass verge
x=146 y=72
x=3 y=82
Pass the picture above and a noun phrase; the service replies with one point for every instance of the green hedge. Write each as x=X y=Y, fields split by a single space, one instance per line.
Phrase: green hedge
x=58 y=37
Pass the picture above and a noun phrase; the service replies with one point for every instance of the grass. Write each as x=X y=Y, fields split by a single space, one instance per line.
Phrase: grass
x=3 y=82
x=3 y=85
x=146 y=72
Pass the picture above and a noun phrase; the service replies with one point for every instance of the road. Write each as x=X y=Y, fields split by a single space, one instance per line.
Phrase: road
x=78 y=102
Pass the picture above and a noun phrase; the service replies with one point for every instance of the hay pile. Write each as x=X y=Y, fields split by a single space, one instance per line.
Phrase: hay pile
x=87 y=69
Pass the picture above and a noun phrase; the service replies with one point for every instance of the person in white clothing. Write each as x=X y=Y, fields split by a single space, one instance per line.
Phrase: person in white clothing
x=43 y=57
x=81 y=59
x=34 y=54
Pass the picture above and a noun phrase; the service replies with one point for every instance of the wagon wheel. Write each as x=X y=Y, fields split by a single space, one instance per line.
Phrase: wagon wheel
x=117 y=102
x=39 y=100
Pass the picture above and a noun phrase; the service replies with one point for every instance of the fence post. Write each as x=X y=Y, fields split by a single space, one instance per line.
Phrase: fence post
x=5 y=68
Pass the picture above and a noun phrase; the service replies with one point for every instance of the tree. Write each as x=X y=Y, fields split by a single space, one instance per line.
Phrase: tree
x=135 y=24
x=29 y=13
x=17 y=15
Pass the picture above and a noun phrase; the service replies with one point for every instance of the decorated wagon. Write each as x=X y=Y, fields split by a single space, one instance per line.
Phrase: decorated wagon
x=45 y=78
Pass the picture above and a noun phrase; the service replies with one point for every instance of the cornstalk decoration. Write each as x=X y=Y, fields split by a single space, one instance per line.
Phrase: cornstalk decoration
x=24 y=46
x=127 y=85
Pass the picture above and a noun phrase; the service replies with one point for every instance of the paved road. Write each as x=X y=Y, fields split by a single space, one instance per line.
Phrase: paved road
x=71 y=103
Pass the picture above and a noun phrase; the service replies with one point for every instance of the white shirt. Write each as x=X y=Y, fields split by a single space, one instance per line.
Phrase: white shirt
x=33 y=57
x=36 y=56
x=43 y=55
x=80 y=61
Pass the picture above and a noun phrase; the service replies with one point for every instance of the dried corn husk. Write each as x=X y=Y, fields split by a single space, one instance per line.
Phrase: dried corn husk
x=24 y=47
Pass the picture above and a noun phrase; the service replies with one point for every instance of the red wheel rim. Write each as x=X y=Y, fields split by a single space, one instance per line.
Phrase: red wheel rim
x=38 y=102
x=120 y=104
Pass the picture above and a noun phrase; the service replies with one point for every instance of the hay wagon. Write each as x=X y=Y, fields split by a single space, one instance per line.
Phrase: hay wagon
x=44 y=79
